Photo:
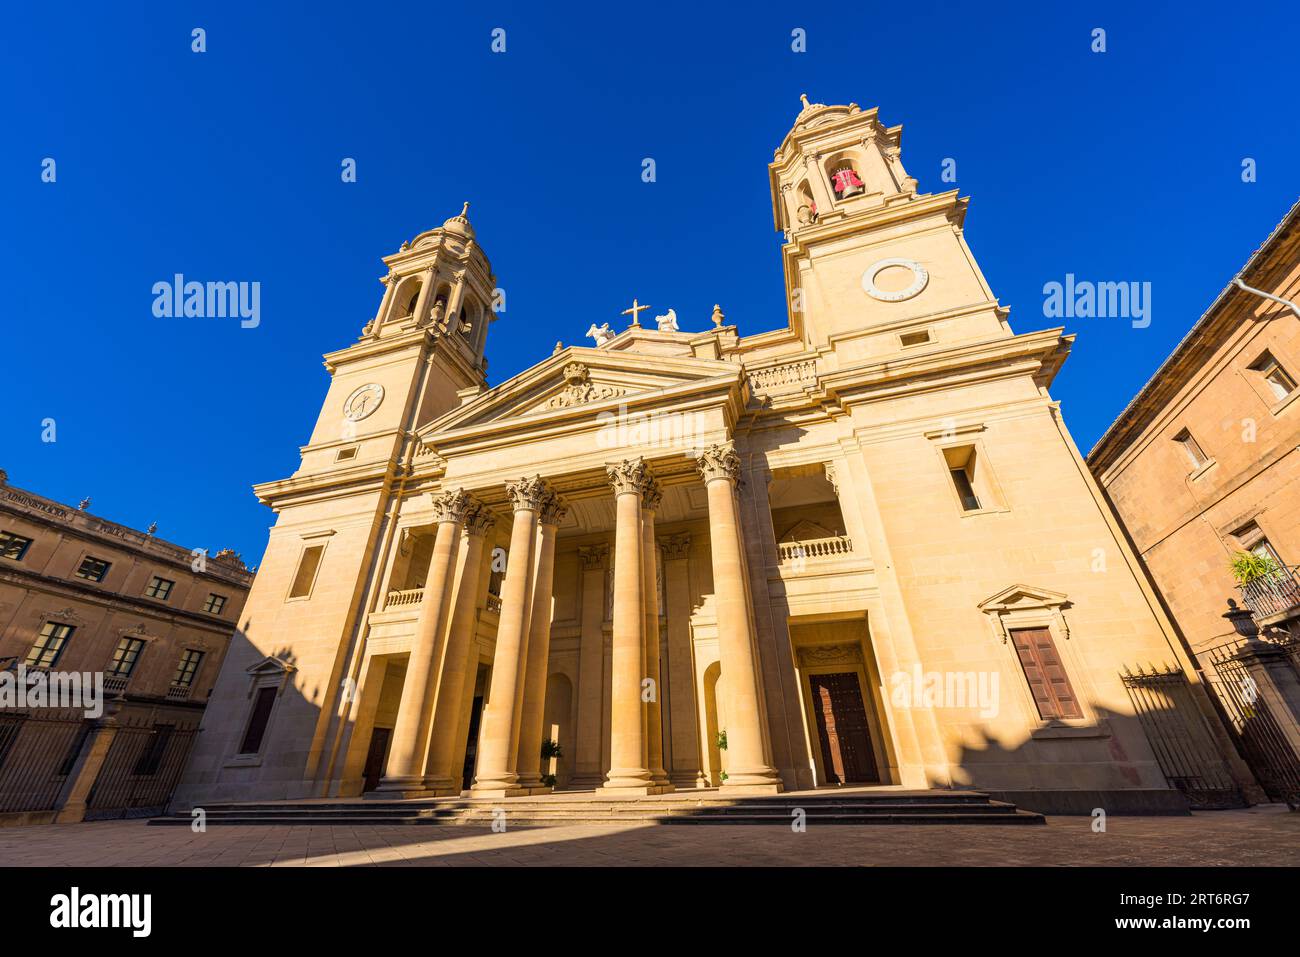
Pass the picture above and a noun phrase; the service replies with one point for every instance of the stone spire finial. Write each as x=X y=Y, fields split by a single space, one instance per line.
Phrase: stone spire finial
x=153 y=527
x=717 y=316
x=464 y=210
x=83 y=504
x=803 y=97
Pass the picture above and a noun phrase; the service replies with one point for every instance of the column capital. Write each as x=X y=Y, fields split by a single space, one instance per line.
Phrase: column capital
x=451 y=506
x=719 y=462
x=529 y=493
x=479 y=520
x=593 y=556
x=630 y=476
x=675 y=546
x=652 y=496
x=553 y=509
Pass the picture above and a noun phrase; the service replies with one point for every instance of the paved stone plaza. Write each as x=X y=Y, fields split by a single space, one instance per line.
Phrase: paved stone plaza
x=1260 y=836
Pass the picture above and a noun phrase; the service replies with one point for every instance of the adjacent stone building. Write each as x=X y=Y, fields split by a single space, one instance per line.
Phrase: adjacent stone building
x=860 y=548
x=1203 y=466
x=83 y=595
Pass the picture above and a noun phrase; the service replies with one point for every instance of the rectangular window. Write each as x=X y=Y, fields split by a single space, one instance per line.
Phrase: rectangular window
x=214 y=604
x=93 y=569
x=915 y=338
x=1191 y=448
x=160 y=588
x=49 y=645
x=13 y=546
x=151 y=760
x=306 y=574
x=125 y=655
x=262 y=706
x=966 y=479
x=1276 y=379
x=344 y=454
x=188 y=668
x=1045 y=673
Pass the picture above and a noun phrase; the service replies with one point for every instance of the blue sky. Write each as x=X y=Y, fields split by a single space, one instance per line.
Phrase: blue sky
x=225 y=165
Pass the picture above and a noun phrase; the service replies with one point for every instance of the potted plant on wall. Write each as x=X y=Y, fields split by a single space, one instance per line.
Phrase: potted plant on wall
x=722 y=746
x=1248 y=567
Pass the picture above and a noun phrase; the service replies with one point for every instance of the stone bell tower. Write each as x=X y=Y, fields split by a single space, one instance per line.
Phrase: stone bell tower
x=418 y=356
x=872 y=266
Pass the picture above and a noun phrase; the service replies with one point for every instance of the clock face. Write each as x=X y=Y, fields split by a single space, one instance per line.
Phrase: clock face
x=363 y=402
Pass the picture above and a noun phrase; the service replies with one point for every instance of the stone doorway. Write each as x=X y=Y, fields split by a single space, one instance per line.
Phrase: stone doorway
x=376 y=757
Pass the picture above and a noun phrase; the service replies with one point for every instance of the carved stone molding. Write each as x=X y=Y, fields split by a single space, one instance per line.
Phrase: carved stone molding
x=675 y=546
x=580 y=390
x=451 y=506
x=593 y=556
x=630 y=475
x=553 y=510
x=529 y=493
x=719 y=462
x=66 y=615
x=480 y=520
x=813 y=655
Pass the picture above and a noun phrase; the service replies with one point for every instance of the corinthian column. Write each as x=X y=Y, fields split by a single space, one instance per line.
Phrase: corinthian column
x=441 y=775
x=654 y=740
x=747 y=768
x=627 y=772
x=539 y=649
x=405 y=770
x=499 y=738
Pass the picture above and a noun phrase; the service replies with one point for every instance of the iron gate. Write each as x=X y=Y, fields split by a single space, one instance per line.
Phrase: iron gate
x=143 y=767
x=1257 y=730
x=1183 y=745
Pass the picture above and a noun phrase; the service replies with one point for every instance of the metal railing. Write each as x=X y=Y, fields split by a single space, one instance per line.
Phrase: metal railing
x=405 y=596
x=818 y=548
x=494 y=603
x=37 y=750
x=1274 y=593
x=141 y=771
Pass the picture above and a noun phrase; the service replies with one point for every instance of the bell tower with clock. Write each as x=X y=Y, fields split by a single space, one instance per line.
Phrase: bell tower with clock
x=872 y=266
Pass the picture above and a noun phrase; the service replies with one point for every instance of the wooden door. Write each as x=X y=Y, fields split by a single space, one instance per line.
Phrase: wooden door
x=842 y=730
x=375 y=757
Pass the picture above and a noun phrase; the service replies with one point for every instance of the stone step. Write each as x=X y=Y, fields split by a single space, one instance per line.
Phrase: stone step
x=897 y=807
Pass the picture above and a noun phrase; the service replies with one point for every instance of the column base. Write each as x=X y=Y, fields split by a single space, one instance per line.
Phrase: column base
x=397 y=789
x=741 y=787
x=586 y=782
x=496 y=794
x=444 y=788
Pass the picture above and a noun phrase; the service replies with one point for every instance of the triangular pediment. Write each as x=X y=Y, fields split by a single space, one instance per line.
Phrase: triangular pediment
x=268 y=666
x=1023 y=596
x=584 y=379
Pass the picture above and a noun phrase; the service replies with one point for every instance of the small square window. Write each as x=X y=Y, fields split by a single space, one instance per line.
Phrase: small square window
x=1191 y=448
x=1276 y=379
x=214 y=604
x=49 y=645
x=345 y=454
x=160 y=588
x=13 y=546
x=125 y=656
x=188 y=668
x=915 y=338
x=93 y=569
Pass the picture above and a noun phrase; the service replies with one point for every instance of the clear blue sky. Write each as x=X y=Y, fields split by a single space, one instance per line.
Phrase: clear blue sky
x=225 y=166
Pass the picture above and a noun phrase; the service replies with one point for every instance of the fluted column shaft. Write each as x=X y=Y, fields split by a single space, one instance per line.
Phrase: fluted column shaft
x=747 y=765
x=654 y=739
x=539 y=649
x=441 y=776
x=627 y=772
x=500 y=734
x=405 y=769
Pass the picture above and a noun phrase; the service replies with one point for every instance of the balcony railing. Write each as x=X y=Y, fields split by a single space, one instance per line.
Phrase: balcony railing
x=115 y=684
x=407 y=596
x=1273 y=594
x=179 y=692
x=494 y=603
x=815 y=549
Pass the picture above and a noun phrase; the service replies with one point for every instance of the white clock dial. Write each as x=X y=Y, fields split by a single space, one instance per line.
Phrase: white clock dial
x=363 y=402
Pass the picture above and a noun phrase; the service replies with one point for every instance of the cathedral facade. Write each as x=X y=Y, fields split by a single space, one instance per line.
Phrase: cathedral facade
x=861 y=549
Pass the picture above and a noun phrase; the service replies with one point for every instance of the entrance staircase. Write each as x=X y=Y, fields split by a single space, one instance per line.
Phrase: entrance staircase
x=857 y=806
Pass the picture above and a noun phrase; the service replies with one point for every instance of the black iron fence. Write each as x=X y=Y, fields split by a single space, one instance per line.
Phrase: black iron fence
x=1183 y=744
x=141 y=771
x=1260 y=729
